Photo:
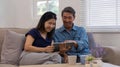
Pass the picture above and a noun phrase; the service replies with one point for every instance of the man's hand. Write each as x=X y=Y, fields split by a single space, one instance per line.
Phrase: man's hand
x=72 y=41
x=65 y=58
x=62 y=48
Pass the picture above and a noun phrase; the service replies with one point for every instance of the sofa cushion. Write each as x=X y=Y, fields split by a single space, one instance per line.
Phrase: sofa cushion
x=2 y=33
x=12 y=47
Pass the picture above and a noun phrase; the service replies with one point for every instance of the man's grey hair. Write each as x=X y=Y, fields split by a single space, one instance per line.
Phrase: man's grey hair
x=69 y=9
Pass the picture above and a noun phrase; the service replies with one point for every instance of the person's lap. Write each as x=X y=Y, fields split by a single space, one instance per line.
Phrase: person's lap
x=31 y=58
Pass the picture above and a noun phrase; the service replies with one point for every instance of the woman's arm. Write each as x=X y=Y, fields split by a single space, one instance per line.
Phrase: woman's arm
x=28 y=46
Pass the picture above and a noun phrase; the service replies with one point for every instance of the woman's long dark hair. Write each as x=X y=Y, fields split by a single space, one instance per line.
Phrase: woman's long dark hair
x=41 y=25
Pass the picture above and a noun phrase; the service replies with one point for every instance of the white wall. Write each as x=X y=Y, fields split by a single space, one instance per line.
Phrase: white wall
x=19 y=14
x=6 y=13
x=16 y=13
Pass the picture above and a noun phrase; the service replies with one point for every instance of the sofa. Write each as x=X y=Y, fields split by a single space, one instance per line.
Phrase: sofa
x=112 y=53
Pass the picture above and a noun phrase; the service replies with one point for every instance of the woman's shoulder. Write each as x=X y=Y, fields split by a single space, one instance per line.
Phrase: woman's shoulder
x=33 y=32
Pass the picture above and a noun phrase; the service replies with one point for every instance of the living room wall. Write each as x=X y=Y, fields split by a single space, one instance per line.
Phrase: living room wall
x=19 y=14
x=16 y=13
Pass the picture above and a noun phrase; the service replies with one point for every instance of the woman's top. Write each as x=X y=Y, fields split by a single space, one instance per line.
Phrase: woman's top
x=39 y=41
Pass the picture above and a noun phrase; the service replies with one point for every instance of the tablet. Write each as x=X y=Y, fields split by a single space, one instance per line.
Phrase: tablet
x=56 y=45
x=69 y=44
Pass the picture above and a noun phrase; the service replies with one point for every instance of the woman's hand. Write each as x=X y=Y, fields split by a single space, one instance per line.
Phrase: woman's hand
x=49 y=49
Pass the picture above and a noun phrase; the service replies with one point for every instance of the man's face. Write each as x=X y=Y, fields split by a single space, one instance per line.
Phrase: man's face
x=68 y=19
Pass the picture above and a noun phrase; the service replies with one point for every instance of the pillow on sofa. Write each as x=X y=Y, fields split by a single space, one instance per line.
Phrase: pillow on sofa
x=12 y=47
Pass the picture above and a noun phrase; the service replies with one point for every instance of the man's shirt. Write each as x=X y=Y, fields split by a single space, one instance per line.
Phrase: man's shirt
x=76 y=33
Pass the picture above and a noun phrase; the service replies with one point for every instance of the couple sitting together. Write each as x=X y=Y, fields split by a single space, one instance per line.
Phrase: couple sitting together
x=39 y=48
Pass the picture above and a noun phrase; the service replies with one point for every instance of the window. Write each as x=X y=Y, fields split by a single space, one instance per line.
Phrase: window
x=41 y=6
x=103 y=14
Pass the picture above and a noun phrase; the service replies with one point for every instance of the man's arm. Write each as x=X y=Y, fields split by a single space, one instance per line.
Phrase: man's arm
x=82 y=42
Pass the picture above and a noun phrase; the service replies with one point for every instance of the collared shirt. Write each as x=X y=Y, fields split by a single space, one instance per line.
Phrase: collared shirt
x=76 y=33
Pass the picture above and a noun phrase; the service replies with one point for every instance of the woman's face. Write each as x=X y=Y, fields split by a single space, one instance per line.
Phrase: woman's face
x=50 y=25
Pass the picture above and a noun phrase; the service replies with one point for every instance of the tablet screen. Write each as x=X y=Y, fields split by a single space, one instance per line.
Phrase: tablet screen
x=56 y=45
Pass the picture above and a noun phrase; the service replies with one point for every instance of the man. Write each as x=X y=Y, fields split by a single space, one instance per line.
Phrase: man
x=71 y=33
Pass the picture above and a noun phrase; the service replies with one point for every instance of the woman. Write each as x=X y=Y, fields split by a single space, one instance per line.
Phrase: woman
x=38 y=47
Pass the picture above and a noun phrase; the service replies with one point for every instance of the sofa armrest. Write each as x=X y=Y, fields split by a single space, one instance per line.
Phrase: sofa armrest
x=112 y=55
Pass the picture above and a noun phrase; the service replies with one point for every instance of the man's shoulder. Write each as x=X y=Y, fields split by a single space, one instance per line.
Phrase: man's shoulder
x=58 y=29
x=79 y=27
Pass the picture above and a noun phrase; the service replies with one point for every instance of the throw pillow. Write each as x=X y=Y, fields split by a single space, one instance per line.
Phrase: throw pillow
x=12 y=47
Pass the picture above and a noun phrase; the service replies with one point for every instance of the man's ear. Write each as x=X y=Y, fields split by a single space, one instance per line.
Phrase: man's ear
x=74 y=17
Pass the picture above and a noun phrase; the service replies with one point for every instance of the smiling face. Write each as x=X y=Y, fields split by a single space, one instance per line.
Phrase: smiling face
x=68 y=19
x=50 y=25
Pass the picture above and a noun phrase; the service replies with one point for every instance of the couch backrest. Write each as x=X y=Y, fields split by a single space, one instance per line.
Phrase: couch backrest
x=2 y=32
x=91 y=40
x=23 y=31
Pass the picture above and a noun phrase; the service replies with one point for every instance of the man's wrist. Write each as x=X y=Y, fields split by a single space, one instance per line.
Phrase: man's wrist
x=75 y=44
x=62 y=53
